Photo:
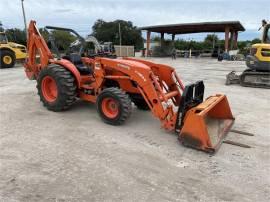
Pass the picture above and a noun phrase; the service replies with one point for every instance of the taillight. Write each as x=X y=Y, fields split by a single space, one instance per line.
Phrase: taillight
x=253 y=51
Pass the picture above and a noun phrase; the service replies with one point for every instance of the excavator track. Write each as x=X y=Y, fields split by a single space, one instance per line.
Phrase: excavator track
x=255 y=79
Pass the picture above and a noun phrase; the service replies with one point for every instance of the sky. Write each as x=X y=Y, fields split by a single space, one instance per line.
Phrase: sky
x=80 y=15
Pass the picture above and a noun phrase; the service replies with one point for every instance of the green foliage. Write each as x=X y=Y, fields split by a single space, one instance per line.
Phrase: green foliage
x=256 y=41
x=186 y=45
x=63 y=39
x=164 y=50
x=16 y=35
x=156 y=39
x=210 y=38
x=44 y=33
x=109 y=32
x=207 y=44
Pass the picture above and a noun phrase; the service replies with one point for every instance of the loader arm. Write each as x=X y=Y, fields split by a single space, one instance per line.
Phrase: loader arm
x=199 y=124
x=38 y=52
x=157 y=84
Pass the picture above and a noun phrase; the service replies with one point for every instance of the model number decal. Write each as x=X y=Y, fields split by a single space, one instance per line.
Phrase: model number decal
x=140 y=75
x=123 y=66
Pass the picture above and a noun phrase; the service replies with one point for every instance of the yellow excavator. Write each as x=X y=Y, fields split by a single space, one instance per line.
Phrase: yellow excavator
x=10 y=52
x=258 y=63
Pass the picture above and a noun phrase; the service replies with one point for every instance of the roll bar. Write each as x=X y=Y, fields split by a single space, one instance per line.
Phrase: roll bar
x=81 y=39
x=65 y=29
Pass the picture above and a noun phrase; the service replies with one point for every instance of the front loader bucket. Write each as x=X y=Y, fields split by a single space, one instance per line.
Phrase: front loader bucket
x=205 y=125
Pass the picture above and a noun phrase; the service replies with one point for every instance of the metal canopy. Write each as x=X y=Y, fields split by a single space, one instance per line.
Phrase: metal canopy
x=186 y=28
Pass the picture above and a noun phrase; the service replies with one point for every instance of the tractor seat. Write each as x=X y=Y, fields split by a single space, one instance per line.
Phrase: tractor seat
x=77 y=61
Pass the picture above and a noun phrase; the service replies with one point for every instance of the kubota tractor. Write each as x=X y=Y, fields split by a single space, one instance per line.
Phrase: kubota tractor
x=113 y=84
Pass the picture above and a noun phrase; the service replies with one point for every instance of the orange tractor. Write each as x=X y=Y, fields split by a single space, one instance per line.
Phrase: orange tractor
x=113 y=84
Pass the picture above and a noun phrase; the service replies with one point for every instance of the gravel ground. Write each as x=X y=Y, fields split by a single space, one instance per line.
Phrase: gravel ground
x=74 y=156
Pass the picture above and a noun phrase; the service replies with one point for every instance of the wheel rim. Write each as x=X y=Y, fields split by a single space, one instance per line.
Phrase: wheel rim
x=49 y=88
x=110 y=107
x=7 y=59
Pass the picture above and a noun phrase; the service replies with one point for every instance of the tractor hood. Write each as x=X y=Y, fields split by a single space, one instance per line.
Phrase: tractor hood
x=256 y=45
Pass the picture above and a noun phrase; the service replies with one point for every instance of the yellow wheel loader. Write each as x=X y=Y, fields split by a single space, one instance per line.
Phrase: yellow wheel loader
x=10 y=52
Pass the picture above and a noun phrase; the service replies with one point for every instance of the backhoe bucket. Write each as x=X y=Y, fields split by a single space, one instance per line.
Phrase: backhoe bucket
x=205 y=125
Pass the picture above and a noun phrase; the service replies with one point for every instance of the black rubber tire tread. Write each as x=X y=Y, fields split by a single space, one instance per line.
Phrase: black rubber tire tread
x=141 y=104
x=7 y=53
x=123 y=100
x=254 y=85
x=139 y=101
x=66 y=86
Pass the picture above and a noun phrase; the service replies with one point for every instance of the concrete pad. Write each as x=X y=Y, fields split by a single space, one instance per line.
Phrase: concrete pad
x=74 y=156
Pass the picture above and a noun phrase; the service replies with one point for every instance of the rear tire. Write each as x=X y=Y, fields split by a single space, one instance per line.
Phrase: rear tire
x=114 y=106
x=8 y=59
x=56 y=87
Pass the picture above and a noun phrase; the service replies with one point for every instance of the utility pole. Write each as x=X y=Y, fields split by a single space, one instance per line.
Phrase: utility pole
x=120 y=38
x=24 y=18
x=1 y=27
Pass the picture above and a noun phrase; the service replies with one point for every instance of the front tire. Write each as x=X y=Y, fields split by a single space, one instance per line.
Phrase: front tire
x=56 y=87
x=8 y=59
x=114 y=106
x=139 y=101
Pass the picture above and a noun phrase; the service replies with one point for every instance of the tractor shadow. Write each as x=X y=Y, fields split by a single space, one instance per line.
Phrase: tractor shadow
x=137 y=117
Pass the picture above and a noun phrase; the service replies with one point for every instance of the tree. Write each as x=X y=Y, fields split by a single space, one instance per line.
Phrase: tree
x=156 y=39
x=63 y=39
x=186 y=45
x=209 y=40
x=16 y=35
x=109 y=31
x=256 y=41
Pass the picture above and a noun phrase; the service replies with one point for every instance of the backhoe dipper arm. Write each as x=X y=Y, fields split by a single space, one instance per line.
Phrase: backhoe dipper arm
x=36 y=48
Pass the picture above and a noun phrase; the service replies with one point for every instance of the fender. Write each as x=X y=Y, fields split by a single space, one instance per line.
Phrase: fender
x=8 y=49
x=70 y=67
